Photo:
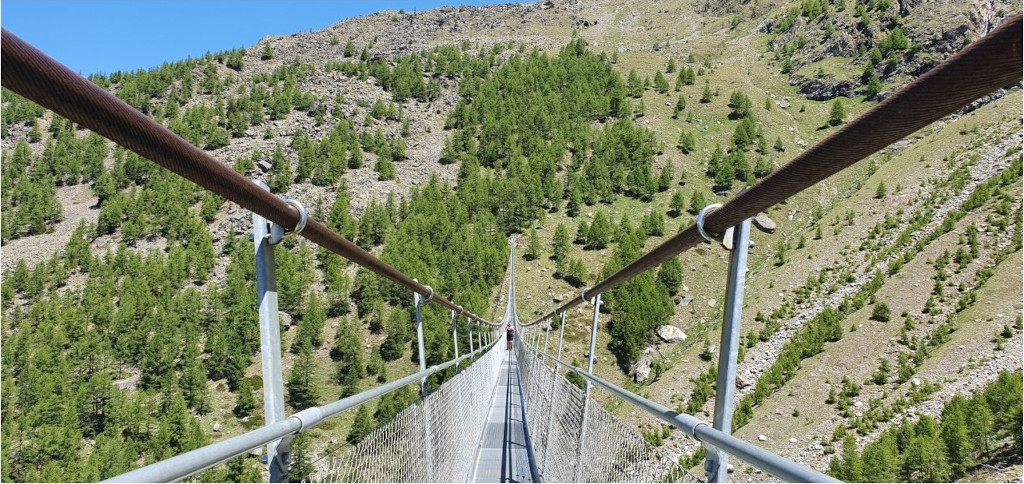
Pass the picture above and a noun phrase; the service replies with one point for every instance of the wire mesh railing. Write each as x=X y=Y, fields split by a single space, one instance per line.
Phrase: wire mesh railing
x=427 y=442
x=395 y=451
x=613 y=451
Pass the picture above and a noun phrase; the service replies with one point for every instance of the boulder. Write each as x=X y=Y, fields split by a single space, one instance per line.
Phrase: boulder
x=764 y=224
x=671 y=334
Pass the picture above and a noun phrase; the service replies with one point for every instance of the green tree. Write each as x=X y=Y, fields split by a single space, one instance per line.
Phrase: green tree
x=697 y=202
x=838 y=113
x=677 y=204
x=600 y=233
x=881 y=312
x=660 y=84
x=924 y=460
x=561 y=245
x=705 y=96
x=303 y=389
x=246 y=403
x=679 y=107
x=361 y=426
x=348 y=351
x=671 y=275
x=300 y=467
x=686 y=144
x=533 y=246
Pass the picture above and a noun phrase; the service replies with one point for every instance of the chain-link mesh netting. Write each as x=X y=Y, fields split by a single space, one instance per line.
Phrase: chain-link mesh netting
x=612 y=452
x=453 y=416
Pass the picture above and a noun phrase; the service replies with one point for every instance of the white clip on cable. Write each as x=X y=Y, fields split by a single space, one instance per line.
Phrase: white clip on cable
x=700 y=220
x=303 y=215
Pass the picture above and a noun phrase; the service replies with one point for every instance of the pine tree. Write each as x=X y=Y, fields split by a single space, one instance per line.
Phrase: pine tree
x=677 y=204
x=246 y=403
x=660 y=84
x=686 y=143
x=697 y=202
x=303 y=390
x=838 y=114
x=361 y=426
x=533 y=246
x=348 y=351
x=300 y=467
x=955 y=437
x=266 y=53
x=671 y=275
x=600 y=232
x=679 y=107
x=705 y=96
x=398 y=335
x=671 y=67
x=666 y=177
x=281 y=169
x=561 y=246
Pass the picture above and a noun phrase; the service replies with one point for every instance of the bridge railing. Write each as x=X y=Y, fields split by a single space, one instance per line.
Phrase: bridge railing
x=192 y=462
x=993 y=62
x=990 y=63
x=394 y=452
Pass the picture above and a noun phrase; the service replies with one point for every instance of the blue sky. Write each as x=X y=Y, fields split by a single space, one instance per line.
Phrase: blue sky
x=110 y=35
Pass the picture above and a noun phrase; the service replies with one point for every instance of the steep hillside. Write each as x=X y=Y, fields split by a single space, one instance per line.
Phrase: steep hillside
x=596 y=129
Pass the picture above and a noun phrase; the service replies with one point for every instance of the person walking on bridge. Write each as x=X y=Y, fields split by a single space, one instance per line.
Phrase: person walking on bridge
x=510 y=333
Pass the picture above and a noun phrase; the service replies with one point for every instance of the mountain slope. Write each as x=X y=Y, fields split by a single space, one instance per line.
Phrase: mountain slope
x=417 y=80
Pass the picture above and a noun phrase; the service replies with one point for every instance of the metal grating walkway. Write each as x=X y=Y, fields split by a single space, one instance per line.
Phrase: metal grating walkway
x=503 y=455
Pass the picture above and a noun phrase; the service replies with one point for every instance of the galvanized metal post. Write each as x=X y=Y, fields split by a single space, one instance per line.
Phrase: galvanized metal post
x=554 y=400
x=428 y=451
x=455 y=337
x=469 y=323
x=265 y=235
x=717 y=463
x=547 y=335
x=586 y=391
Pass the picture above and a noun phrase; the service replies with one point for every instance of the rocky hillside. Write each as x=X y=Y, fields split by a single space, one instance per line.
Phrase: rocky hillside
x=884 y=292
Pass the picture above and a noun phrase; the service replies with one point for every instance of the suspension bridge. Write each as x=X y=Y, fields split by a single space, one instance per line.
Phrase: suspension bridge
x=506 y=415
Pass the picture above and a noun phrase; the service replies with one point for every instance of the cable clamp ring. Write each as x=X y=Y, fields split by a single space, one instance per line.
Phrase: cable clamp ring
x=303 y=215
x=700 y=220
x=583 y=294
x=461 y=310
x=693 y=431
x=431 y=290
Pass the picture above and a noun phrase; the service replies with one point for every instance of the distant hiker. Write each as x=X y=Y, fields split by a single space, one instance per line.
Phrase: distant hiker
x=510 y=333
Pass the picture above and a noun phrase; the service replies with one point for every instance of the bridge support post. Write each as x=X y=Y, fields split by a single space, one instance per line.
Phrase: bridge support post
x=455 y=337
x=586 y=391
x=428 y=445
x=547 y=335
x=266 y=234
x=717 y=463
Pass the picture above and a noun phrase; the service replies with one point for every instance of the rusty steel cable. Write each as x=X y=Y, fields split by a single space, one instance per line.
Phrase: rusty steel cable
x=990 y=63
x=38 y=77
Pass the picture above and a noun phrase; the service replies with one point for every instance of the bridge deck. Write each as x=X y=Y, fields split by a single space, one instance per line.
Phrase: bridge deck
x=502 y=455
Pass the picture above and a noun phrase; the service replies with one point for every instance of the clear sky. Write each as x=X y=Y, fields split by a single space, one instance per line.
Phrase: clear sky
x=105 y=36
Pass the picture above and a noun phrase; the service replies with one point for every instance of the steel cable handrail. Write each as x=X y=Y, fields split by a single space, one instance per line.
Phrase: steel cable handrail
x=990 y=63
x=38 y=77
